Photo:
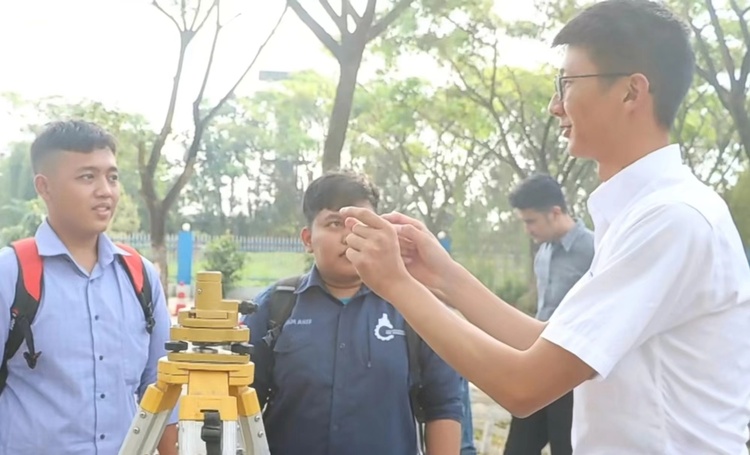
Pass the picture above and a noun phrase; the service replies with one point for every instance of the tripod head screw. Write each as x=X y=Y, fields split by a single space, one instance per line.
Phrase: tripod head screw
x=242 y=348
x=247 y=307
x=176 y=346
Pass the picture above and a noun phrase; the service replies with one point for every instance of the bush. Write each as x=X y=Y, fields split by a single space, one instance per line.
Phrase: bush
x=223 y=255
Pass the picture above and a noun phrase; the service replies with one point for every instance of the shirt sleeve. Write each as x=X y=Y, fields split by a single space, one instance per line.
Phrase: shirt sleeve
x=638 y=289
x=262 y=356
x=8 y=277
x=441 y=393
x=159 y=335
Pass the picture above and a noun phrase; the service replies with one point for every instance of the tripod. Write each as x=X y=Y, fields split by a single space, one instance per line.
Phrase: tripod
x=218 y=399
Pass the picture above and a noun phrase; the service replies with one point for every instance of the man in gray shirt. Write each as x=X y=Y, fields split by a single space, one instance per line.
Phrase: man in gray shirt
x=565 y=253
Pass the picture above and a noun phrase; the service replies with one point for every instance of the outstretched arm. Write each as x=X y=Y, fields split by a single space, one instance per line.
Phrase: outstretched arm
x=429 y=263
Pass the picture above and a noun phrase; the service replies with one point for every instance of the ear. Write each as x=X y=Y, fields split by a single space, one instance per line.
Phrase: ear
x=637 y=90
x=306 y=236
x=42 y=186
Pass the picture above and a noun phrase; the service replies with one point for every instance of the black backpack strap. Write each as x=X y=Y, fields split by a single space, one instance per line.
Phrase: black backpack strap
x=133 y=265
x=281 y=304
x=413 y=342
x=25 y=306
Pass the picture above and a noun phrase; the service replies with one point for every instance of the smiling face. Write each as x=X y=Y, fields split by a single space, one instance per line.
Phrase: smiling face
x=590 y=109
x=81 y=190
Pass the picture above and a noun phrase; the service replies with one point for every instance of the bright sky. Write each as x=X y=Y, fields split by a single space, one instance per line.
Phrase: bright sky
x=123 y=52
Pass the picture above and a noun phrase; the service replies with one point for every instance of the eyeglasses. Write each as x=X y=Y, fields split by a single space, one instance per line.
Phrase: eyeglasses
x=560 y=79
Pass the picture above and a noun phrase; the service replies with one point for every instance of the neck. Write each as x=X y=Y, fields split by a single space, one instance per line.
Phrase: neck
x=631 y=149
x=79 y=245
x=566 y=224
x=341 y=288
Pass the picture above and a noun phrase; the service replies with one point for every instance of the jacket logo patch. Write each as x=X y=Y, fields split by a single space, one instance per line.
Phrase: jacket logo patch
x=384 y=330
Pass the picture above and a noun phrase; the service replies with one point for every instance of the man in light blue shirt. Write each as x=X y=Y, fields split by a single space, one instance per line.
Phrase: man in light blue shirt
x=96 y=353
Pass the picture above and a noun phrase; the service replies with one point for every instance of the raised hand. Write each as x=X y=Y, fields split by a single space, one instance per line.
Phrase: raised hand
x=424 y=256
x=373 y=249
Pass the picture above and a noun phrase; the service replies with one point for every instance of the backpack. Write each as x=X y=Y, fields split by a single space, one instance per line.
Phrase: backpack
x=29 y=287
x=282 y=303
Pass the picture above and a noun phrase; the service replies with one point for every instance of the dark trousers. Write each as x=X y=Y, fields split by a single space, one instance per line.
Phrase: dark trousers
x=548 y=425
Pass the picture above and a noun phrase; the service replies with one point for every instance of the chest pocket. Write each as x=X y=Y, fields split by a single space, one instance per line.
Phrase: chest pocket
x=301 y=357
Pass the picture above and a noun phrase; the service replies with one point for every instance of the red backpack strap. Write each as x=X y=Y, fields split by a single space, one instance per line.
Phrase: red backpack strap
x=29 y=266
x=25 y=305
x=133 y=265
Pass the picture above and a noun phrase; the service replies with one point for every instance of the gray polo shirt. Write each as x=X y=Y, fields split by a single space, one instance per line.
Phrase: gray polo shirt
x=559 y=265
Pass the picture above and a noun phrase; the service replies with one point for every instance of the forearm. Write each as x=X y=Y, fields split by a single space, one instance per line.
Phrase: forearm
x=488 y=312
x=492 y=366
x=443 y=437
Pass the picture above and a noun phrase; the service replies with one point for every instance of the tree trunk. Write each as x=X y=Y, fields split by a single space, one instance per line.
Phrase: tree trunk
x=741 y=121
x=158 y=245
x=342 y=110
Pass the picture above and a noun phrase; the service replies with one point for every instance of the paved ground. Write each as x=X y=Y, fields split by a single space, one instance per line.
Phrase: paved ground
x=490 y=424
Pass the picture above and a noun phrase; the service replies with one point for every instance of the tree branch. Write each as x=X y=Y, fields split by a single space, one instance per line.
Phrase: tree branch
x=722 y=43
x=199 y=98
x=200 y=125
x=171 y=18
x=347 y=10
x=745 y=65
x=340 y=21
x=384 y=22
x=331 y=44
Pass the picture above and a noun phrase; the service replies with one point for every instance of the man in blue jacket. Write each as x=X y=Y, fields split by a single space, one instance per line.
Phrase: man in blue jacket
x=337 y=381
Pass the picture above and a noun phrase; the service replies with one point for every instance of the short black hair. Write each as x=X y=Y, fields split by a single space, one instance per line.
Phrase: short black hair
x=71 y=136
x=538 y=192
x=337 y=189
x=637 y=36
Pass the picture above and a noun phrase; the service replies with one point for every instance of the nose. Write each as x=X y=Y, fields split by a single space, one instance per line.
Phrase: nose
x=555 y=106
x=103 y=188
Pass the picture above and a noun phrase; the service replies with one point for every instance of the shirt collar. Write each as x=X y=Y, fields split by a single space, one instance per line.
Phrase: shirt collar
x=623 y=188
x=49 y=244
x=567 y=240
x=313 y=278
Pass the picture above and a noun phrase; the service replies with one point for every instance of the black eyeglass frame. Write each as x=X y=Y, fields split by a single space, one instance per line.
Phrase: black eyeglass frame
x=559 y=79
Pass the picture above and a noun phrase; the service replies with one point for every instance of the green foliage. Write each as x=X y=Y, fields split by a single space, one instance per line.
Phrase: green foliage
x=739 y=203
x=223 y=255
x=24 y=218
x=126 y=220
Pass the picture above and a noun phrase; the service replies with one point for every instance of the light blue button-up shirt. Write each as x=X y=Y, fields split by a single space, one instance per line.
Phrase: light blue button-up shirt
x=97 y=356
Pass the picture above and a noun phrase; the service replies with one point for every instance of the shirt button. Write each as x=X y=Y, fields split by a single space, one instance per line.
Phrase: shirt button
x=96 y=318
x=102 y=396
x=101 y=436
x=342 y=345
x=101 y=357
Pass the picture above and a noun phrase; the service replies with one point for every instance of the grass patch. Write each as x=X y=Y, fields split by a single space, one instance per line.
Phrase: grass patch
x=260 y=269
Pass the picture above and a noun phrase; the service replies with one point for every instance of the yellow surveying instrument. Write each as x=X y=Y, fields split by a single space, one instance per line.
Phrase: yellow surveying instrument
x=219 y=399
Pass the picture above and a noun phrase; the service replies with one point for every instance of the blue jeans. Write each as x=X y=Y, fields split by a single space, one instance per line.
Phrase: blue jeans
x=467 y=427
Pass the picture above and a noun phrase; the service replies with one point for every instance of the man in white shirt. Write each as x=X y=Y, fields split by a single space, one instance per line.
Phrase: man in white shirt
x=654 y=338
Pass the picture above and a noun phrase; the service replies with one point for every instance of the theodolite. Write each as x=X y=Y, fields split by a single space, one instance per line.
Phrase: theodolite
x=218 y=400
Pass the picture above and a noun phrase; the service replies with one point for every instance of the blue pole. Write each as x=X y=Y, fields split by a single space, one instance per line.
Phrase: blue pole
x=446 y=242
x=185 y=256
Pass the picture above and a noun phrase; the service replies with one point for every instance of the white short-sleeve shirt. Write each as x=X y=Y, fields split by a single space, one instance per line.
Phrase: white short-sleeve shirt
x=663 y=317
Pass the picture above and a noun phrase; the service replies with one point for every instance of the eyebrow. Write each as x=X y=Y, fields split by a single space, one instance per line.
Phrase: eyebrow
x=332 y=216
x=96 y=169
